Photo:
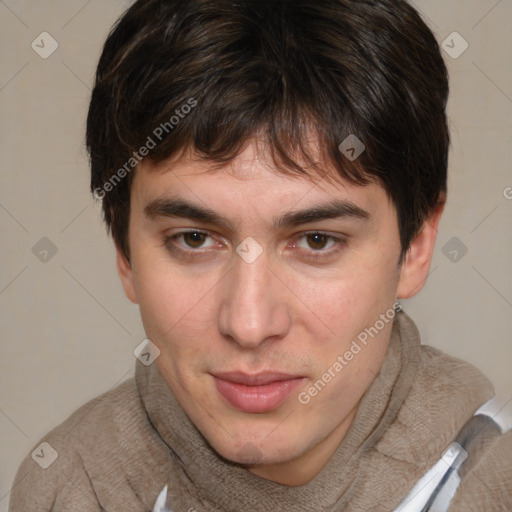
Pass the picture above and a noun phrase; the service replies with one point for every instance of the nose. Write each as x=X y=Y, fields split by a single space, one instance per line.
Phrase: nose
x=253 y=307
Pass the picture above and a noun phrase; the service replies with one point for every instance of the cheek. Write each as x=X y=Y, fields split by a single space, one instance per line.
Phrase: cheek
x=171 y=307
x=348 y=301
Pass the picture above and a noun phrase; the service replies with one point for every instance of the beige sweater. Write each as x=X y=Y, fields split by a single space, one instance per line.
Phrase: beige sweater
x=117 y=452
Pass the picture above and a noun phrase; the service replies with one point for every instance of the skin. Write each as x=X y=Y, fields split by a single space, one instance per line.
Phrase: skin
x=283 y=312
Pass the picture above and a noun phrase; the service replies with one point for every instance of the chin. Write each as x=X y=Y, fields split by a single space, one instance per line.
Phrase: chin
x=252 y=452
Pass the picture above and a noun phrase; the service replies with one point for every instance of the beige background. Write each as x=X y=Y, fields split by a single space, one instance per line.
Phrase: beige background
x=68 y=333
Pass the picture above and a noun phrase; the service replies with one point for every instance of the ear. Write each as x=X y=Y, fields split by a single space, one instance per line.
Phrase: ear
x=125 y=272
x=416 y=264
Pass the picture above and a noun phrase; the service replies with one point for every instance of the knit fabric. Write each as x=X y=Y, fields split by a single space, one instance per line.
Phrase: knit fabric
x=117 y=452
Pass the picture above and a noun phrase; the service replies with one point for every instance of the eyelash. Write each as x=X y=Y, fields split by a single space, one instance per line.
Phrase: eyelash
x=173 y=247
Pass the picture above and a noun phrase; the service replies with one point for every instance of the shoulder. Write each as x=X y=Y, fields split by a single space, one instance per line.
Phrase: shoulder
x=433 y=360
x=445 y=375
x=59 y=465
x=443 y=393
x=486 y=476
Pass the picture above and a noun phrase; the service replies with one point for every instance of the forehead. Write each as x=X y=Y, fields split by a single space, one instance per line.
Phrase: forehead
x=251 y=177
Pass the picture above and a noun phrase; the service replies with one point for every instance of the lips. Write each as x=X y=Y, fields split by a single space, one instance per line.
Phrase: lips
x=257 y=393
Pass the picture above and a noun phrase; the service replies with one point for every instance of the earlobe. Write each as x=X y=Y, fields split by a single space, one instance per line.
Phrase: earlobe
x=125 y=272
x=416 y=264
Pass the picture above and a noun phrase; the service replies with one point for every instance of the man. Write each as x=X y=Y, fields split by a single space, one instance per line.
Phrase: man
x=273 y=174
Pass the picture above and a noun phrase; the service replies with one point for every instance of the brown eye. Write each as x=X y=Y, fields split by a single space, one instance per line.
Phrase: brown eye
x=318 y=246
x=317 y=241
x=194 y=239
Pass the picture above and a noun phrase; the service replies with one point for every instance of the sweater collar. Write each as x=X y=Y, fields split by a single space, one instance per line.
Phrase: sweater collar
x=201 y=474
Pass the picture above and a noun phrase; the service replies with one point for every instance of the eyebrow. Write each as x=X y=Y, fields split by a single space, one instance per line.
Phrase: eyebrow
x=336 y=209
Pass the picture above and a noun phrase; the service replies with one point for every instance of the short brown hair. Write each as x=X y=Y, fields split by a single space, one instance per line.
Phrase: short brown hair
x=281 y=69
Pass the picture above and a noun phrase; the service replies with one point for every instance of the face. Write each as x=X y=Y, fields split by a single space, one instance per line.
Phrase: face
x=253 y=285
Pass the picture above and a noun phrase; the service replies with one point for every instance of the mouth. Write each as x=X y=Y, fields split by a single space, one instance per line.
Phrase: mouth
x=258 y=393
